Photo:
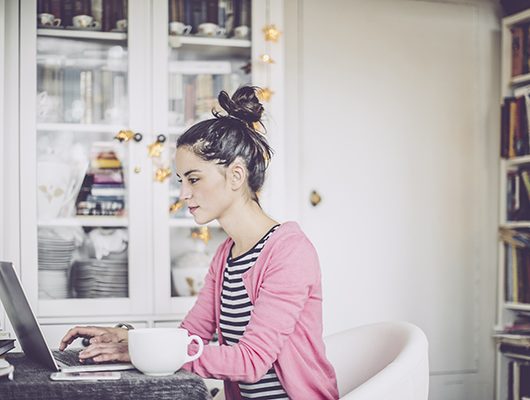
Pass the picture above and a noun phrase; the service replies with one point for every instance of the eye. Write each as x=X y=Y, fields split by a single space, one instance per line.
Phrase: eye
x=179 y=180
x=193 y=180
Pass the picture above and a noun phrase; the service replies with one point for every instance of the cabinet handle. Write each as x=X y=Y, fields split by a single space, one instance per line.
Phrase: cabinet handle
x=314 y=198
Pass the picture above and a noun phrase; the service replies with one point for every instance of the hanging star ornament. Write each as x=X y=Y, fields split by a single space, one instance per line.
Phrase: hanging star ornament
x=267 y=59
x=176 y=206
x=154 y=149
x=265 y=94
x=272 y=34
x=162 y=174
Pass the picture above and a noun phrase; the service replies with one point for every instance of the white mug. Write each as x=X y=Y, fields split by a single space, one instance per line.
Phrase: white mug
x=161 y=351
x=46 y=19
x=85 y=21
x=241 y=32
x=211 y=29
x=178 y=28
x=121 y=24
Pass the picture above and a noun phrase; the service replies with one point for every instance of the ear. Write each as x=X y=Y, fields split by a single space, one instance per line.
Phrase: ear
x=237 y=174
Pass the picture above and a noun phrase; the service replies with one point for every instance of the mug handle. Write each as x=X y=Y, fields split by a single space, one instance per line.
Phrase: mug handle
x=95 y=24
x=199 y=341
x=220 y=31
x=187 y=30
x=56 y=22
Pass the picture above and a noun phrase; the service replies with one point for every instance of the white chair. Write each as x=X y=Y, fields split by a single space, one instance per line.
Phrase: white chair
x=382 y=361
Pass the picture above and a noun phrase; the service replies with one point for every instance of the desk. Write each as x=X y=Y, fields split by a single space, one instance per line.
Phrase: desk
x=32 y=382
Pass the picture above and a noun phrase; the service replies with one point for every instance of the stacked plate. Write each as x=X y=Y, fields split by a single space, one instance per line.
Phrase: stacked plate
x=55 y=256
x=108 y=277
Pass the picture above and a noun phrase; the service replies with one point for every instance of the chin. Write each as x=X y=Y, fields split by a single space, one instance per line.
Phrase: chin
x=202 y=220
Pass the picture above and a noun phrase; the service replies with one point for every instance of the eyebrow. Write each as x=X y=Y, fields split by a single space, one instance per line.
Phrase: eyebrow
x=191 y=171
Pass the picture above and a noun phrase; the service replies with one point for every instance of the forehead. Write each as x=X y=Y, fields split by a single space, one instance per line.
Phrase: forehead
x=187 y=160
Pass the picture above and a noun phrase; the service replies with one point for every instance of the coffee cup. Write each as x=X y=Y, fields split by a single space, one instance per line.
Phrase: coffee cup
x=85 y=22
x=211 y=29
x=121 y=24
x=242 y=32
x=46 y=19
x=178 y=28
x=161 y=351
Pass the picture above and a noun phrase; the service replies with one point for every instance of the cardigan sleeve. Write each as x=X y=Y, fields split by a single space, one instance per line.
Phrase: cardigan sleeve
x=290 y=274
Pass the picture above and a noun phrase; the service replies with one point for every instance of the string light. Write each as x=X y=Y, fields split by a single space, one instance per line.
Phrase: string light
x=272 y=35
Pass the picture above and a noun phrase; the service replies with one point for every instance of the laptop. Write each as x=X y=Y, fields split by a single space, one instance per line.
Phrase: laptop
x=29 y=333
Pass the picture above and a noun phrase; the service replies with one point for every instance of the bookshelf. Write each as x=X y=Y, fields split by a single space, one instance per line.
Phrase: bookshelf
x=79 y=88
x=512 y=330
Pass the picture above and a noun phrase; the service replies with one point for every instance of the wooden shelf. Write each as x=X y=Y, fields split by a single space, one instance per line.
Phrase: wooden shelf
x=515 y=224
x=86 y=221
x=82 y=34
x=516 y=19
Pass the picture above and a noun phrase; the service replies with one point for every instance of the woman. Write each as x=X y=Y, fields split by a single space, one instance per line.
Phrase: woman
x=262 y=293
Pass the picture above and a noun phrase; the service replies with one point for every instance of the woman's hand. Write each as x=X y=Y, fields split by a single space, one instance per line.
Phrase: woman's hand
x=106 y=344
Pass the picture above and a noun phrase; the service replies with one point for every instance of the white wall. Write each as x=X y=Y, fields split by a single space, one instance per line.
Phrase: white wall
x=461 y=353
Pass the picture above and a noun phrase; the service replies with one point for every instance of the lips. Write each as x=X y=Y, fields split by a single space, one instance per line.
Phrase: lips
x=192 y=209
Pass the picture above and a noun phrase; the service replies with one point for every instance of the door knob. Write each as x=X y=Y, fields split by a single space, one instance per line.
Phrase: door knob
x=315 y=198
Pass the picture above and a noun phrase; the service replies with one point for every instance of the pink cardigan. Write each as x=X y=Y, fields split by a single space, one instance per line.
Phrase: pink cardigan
x=285 y=327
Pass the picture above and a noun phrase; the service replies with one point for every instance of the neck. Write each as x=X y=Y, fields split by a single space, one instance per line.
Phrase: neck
x=246 y=223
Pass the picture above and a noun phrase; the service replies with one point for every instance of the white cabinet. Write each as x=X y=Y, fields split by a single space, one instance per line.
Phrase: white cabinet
x=103 y=237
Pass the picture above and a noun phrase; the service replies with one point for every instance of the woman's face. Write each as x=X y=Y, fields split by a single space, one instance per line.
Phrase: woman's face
x=204 y=186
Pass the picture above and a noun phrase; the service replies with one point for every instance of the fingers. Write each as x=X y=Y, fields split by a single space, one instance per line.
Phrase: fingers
x=80 y=331
x=105 y=338
x=101 y=352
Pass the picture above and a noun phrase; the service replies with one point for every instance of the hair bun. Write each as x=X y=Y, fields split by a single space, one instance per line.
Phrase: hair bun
x=243 y=105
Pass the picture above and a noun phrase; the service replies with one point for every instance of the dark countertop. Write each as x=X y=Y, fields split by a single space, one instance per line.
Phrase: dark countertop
x=32 y=382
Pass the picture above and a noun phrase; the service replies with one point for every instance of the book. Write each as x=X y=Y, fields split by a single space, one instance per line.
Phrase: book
x=517 y=50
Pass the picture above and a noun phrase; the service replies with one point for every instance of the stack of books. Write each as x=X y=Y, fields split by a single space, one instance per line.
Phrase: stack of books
x=103 y=188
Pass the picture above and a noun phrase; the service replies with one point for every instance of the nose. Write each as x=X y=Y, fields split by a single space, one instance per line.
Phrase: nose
x=185 y=191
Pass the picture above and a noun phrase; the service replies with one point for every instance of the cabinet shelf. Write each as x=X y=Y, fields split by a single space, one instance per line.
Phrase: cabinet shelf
x=179 y=41
x=516 y=224
x=517 y=306
x=85 y=221
x=82 y=34
x=511 y=162
x=60 y=127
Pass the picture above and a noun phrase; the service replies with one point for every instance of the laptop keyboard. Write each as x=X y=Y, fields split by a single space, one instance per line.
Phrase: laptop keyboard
x=68 y=357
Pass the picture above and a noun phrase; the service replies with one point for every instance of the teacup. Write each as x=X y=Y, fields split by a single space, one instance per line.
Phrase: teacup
x=84 y=22
x=242 y=32
x=121 y=24
x=46 y=19
x=161 y=351
x=211 y=29
x=178 y=28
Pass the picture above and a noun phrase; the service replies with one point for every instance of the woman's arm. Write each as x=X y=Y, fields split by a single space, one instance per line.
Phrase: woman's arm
x=290 y=276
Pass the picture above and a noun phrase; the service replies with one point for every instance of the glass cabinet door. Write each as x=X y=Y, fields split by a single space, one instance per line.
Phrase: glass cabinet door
x=83 y=155
x=207 y=48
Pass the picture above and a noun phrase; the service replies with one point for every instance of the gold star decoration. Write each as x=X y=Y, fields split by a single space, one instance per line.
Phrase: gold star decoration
x=265 y=94
x=124 y=135
x=176 y=206
x=267 y=59
x=154 y=149
x=162 y=174
x=272 y=34
x=202 y=233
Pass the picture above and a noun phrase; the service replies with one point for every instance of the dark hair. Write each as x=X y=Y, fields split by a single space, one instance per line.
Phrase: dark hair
x=224 y=138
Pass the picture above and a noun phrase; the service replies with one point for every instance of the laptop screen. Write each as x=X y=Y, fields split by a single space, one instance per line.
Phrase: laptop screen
x=22 y=318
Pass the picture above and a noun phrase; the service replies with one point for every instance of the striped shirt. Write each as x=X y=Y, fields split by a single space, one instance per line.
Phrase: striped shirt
x=235 y=316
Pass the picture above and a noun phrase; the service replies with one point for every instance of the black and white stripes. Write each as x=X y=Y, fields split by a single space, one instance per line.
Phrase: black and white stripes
x=235 y=316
